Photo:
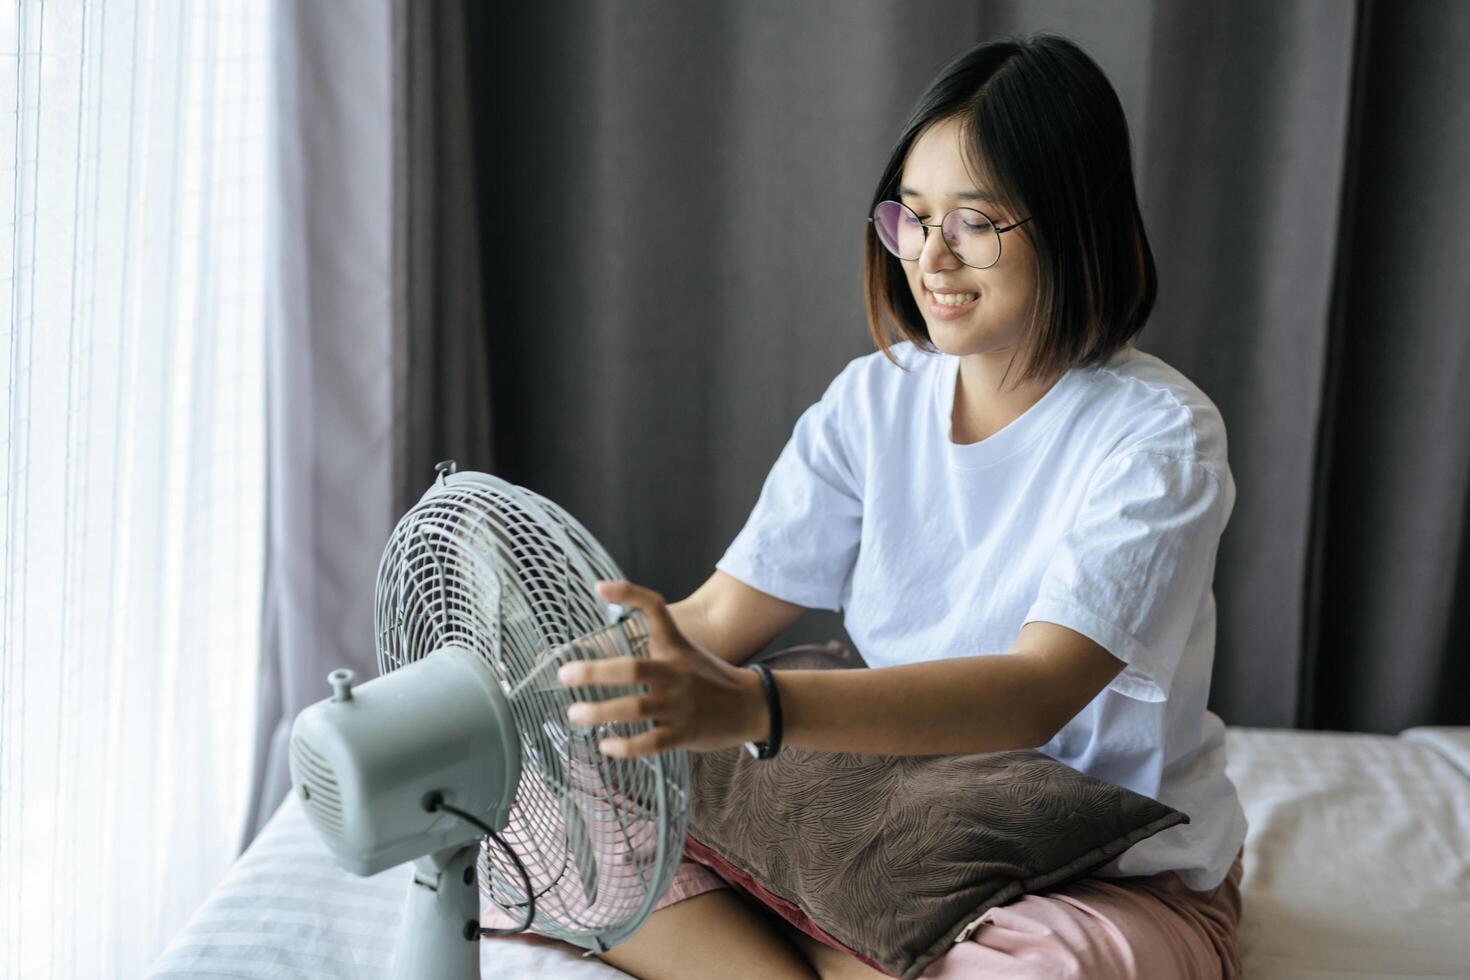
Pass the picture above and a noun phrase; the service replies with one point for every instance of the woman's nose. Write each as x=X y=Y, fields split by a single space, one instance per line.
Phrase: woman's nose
x=936 y=254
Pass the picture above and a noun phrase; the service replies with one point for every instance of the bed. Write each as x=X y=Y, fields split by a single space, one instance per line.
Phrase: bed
x=1357 y=864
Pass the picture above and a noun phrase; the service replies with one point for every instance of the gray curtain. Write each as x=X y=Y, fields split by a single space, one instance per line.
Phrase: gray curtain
x=612 y=250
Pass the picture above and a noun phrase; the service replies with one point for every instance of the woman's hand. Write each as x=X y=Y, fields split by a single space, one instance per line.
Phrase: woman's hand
x=696 y=700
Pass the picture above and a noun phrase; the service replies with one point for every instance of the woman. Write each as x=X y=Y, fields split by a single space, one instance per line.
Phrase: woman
x=1006 y=474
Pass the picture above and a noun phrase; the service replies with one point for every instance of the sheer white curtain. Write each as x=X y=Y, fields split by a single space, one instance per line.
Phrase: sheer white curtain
x=132 y=425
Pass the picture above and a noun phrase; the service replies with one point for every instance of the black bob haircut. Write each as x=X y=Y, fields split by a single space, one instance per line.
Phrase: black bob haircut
x=1043 y=127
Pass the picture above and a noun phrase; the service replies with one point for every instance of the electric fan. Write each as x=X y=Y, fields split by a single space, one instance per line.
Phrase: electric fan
x=459 y=756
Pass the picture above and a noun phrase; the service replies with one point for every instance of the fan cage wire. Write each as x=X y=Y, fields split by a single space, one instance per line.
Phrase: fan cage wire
x=484 y=565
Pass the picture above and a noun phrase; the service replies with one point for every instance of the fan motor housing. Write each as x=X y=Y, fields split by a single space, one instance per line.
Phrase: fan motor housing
x=363 y=765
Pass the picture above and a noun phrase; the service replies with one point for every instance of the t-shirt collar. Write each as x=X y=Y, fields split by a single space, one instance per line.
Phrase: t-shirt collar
x=1036 y=421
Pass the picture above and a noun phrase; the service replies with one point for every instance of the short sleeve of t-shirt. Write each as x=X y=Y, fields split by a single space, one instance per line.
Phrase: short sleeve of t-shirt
x=1131 y=571
x=801 y=540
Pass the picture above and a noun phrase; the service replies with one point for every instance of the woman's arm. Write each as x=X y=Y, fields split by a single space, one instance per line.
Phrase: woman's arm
x=984 y=703
x=942 y=707
x=732 y=620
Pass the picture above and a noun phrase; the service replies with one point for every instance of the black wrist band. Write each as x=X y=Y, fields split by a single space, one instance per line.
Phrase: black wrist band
x=772 y=745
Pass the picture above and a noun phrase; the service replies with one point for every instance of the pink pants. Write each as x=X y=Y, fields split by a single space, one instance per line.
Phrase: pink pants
x=1099 y=928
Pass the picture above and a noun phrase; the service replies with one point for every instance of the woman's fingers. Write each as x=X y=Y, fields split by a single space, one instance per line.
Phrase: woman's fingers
x=648 y=743
x=637 y=707
x=661 y=628
x=667 y=672
x=628 y=709
x=617 y=670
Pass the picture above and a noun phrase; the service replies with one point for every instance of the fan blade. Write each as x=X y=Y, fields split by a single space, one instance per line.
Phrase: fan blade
x=552 y=770
x=580 y=843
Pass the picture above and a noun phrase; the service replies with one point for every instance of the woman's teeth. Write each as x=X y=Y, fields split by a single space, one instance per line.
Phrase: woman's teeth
x=954 y=299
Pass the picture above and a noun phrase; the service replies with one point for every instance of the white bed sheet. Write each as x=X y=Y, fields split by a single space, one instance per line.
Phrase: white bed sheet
x=285 y=911
x=1357 y=860
x=1357 y=865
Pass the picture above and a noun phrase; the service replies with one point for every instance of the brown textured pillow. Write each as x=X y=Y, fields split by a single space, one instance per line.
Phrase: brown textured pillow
x=893 y=858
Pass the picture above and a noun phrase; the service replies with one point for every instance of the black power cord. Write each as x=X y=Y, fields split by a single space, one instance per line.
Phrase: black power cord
x=434 y=802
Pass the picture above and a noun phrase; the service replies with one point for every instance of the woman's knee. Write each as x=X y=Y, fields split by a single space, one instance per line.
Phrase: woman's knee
x=711 y=935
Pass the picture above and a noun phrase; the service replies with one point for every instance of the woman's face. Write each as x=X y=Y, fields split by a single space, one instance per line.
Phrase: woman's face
x=933 y=179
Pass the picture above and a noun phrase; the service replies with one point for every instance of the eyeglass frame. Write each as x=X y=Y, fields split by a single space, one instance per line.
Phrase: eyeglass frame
x=999 y=242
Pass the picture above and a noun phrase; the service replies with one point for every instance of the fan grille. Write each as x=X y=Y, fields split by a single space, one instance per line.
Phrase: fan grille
x=491 y=567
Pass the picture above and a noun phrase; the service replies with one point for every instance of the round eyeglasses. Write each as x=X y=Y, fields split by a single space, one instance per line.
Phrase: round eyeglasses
x=969 y=234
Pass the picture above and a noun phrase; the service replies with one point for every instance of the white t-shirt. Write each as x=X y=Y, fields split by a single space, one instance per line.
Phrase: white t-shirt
x=1099 y=509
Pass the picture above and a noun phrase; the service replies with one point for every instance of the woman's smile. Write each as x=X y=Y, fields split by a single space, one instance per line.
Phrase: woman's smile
x=943 y=306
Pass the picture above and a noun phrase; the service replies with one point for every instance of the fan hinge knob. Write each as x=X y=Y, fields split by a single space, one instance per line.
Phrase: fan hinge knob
x=341 y=681
x=445 y=467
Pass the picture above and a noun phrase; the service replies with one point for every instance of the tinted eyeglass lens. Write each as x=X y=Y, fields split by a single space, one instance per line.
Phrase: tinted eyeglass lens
x=898 y=229
x=970 y=234
x=972 y=237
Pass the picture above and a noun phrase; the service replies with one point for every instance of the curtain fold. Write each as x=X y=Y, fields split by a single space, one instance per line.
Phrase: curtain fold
x=378 y=352
x=443 y=393
x=1392 y=644
x=329 y=373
